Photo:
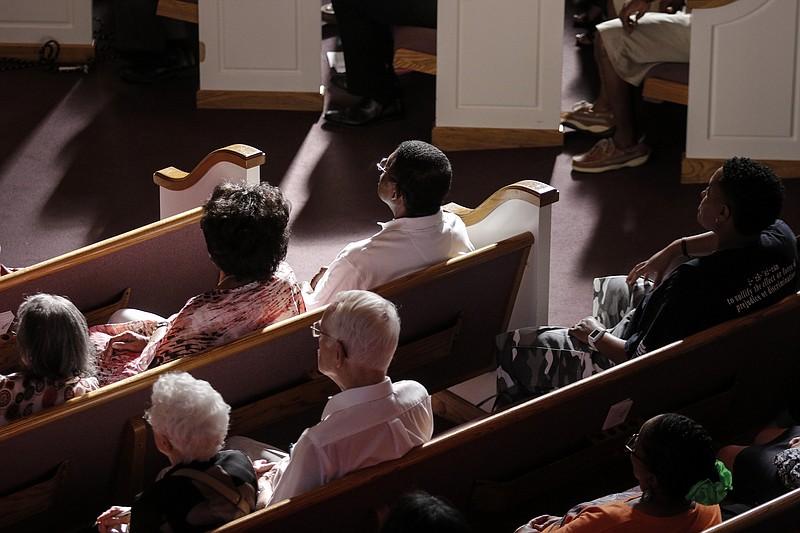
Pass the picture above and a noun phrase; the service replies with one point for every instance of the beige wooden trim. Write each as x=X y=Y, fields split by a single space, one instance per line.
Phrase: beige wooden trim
x=696 y=170
x=454 y=408
x=131 y=472
x=240 y=155
x=481 y=255
x=785 y=505
x=275 y=100
x=405 y=58
x=450 y=138
x=532 y=191
x=31 y=500
x=188 y=364
x=69 y=53
x=102 y=248
x=659 y=89
x=179 y=9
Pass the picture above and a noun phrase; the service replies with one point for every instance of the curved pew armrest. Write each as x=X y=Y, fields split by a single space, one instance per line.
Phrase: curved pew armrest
x=532 y=191
x=241 y=155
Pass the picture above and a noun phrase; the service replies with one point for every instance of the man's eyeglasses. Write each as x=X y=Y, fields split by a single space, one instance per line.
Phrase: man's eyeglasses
x=316 y=332
x=382 y=164
x=630 y=447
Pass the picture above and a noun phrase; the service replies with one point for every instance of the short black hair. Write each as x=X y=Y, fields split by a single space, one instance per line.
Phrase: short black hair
x=423 y=175
x=420 y=512
x=679 y=452
x=246 y=229
x=53 y=339
x=753 y=193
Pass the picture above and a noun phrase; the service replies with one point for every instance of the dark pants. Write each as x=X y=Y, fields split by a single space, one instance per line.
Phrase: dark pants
x=365 y=27
x=144 y=38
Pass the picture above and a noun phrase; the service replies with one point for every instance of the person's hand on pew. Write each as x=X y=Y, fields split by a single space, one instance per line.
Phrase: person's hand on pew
x=116 y=519
x=127 y=341
x=540 y=523
x=265 y=472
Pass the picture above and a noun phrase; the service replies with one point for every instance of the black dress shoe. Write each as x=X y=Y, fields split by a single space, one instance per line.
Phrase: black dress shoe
x=178 y=63
x=367 y=111
x=339 y=79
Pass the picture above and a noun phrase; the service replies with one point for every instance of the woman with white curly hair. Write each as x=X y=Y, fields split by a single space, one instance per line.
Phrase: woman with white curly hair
x=204 y=486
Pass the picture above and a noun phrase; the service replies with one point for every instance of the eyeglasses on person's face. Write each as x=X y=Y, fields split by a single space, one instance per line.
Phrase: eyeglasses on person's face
x=382 y=164
x=630 y=447
x=316 y=332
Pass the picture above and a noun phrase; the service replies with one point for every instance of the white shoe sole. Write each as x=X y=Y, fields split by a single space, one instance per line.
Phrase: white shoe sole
x=641 y=160
x=595 y=129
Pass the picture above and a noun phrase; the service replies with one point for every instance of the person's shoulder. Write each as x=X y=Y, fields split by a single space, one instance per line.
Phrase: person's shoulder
x=9 y=380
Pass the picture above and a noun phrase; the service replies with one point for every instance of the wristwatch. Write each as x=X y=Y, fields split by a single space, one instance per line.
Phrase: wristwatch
x=595 y=336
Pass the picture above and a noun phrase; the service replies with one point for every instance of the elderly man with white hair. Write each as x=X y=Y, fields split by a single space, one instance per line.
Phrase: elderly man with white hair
x=204 y=487
x=372 y=420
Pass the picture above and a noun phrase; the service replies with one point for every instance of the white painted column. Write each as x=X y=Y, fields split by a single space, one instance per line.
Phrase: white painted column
x=260 y=54
x=744 y=81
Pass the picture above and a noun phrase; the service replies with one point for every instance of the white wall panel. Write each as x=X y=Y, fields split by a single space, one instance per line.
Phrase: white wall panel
x=744 y=92
x=499 y=63
x=260 y=45
x=37 y=21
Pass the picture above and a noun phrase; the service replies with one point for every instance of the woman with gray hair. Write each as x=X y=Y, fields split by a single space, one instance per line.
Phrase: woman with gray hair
x=204 y=486
x=55 y=358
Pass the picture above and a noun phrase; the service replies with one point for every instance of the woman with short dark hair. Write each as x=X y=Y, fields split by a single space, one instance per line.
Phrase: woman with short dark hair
x=246 y=232
x=55 y=358
x=681 y=485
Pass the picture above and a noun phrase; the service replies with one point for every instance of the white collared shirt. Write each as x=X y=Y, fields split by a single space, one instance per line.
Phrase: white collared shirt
x=360 y=427
x=403 y=246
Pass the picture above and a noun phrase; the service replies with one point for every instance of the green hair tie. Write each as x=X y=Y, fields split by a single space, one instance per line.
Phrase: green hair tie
x=707 y=492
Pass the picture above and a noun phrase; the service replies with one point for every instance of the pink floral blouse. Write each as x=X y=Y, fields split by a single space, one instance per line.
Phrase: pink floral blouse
x=210 y=319
x=22 y=397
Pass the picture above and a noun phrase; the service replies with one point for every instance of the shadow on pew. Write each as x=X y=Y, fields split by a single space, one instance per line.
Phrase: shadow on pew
x=544 y=455
x=460 y=304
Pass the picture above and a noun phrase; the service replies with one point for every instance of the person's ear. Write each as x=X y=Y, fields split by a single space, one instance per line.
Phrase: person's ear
x=162 y=442
x=724 y=213
x=340 y=355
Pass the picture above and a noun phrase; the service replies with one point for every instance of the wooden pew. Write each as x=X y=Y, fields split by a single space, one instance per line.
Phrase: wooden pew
x=130 y=270
x=780 y=514
x=546 y=454
x=455 y=307
x=415 y=49
x=181 y=191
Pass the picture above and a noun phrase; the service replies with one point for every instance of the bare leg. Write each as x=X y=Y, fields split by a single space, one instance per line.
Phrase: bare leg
x=618 y=95
x=728 y=455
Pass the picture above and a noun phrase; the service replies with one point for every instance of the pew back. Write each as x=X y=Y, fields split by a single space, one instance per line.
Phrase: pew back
x=559 y=449
x=472 y=295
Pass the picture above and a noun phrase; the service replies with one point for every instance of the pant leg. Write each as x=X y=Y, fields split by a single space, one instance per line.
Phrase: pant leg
x=255 y=450
x=534 y=361
x=365 y=27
